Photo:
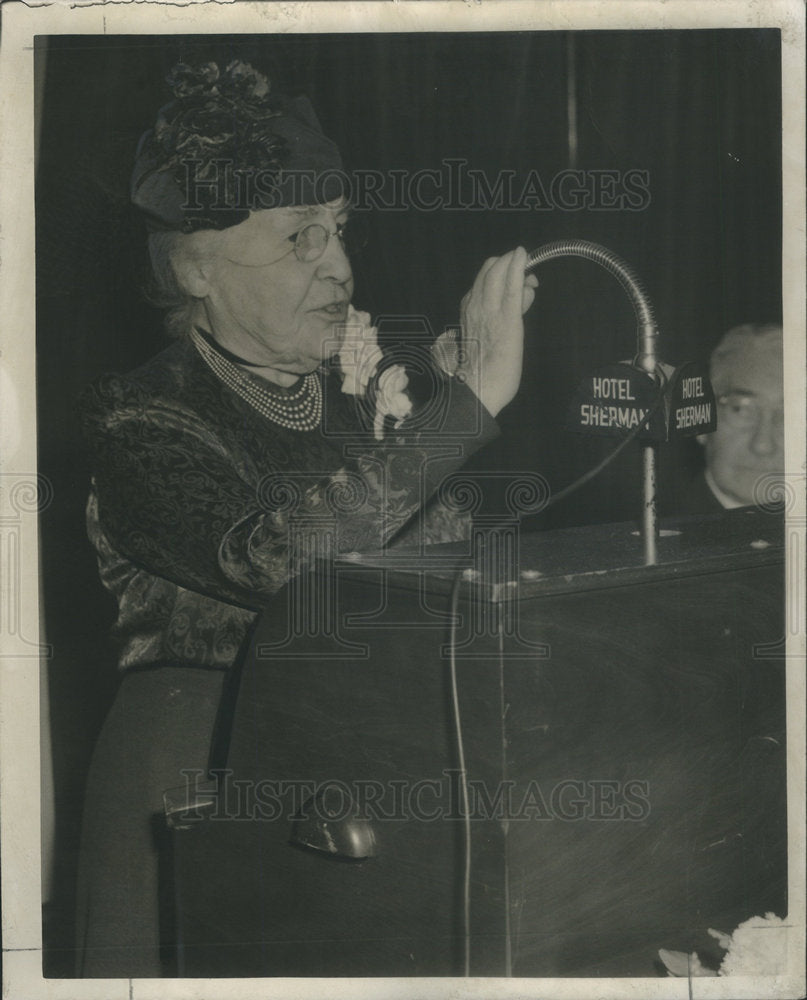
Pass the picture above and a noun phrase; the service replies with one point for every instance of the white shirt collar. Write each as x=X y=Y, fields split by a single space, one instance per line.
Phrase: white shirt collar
x=723 y=499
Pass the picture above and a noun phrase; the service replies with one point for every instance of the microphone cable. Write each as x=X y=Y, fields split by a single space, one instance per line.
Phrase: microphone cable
x=455 y=705
x=466 y=817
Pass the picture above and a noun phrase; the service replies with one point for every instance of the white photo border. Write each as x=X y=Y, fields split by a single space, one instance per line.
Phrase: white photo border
x=19 y=674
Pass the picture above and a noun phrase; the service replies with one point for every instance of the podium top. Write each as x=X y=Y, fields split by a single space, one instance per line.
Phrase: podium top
x=501 y=563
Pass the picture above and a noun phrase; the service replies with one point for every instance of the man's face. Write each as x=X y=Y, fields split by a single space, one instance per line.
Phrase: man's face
x=267 y=305
x=749 y=441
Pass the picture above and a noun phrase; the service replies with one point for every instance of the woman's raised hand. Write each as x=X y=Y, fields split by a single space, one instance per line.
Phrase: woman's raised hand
x=493 y=328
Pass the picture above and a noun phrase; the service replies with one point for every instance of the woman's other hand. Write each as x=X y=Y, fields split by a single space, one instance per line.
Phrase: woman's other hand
x=493 y=328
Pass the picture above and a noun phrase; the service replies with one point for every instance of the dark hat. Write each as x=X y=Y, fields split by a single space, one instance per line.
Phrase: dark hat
x=227 y=146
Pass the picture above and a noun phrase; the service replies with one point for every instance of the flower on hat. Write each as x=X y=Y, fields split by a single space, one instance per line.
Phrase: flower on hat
x=219 y=125
x=217 y=114
x=238 y=82
x=226 y=145
x=247 y=81
x=187 y=81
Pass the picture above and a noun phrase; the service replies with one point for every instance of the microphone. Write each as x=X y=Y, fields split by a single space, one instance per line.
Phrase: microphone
x=642 y=397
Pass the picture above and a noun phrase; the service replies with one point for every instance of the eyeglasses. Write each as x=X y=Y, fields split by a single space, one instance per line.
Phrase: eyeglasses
x=743 y=411
x=312 y=240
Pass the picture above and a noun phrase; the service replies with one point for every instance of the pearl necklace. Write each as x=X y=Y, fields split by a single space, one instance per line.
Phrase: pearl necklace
x=300 y=410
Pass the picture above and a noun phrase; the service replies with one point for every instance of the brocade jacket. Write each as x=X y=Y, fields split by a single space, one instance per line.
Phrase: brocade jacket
x=194 y=493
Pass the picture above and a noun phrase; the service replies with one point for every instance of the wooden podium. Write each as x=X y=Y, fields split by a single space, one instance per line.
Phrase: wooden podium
x=623 y=741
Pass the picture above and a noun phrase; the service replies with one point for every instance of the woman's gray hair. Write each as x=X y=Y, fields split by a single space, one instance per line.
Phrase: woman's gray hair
x=165 y=290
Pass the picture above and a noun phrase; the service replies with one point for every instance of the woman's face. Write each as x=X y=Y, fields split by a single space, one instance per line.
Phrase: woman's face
x=267 y=306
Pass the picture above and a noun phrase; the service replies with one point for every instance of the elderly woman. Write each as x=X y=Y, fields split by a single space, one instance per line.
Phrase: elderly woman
x=248 y=227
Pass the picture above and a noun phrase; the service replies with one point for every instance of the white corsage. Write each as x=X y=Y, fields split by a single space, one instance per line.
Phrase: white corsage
x=392 y=399
x=359 y=358
x=758 y=947
x=359 y=354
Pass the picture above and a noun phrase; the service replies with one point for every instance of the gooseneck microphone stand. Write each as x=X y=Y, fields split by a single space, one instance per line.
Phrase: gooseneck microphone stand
x=645 y=359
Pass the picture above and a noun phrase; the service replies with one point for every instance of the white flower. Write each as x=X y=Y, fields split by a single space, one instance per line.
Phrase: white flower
x=757 y=948
x=359 y=357
x=678 y=963
x=391 y=399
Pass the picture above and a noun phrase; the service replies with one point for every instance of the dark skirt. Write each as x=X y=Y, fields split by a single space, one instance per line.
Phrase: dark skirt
x=160 y=725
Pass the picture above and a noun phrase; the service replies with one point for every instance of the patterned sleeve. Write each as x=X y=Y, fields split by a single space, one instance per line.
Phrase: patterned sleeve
x=177 y=502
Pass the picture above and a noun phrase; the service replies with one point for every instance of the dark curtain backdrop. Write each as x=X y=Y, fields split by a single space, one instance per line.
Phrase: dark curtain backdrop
x=698 y=110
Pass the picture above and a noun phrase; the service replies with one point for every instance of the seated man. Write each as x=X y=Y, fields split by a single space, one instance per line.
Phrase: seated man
x=745 y=455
